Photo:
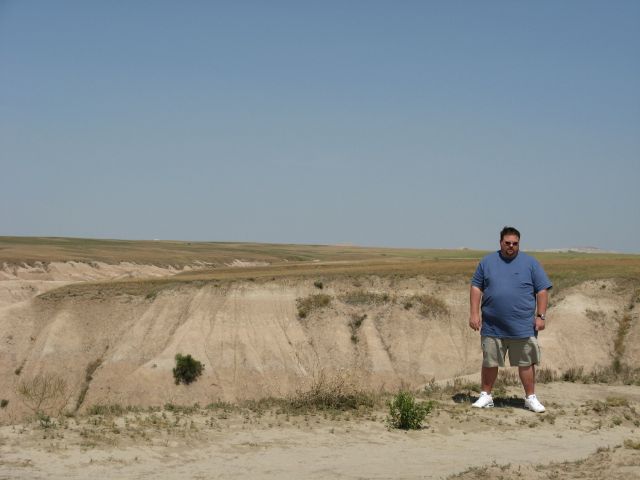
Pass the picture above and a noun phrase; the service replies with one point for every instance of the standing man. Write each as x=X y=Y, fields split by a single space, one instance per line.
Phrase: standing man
x=513 y=289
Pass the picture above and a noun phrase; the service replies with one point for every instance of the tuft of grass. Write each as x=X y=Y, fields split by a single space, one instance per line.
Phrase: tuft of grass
x=362 y=297
x=617 y=402
x=107 y=410
x=312 y=303
x=407 y=414
x=428 y=305
x=596 y=316
x=573 y=374
x=632 y=444
x=331 y=393
x=182 y=409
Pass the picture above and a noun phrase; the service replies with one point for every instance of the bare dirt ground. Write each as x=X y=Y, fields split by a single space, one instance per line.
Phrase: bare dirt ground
x=589 y=431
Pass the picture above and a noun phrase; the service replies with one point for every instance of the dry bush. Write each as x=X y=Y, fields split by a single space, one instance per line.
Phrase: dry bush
x=311 y=303
x=44 y=394
x=545 y=375
x=337 y=392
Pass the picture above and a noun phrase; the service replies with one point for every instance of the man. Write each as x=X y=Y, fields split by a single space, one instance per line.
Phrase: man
x=513 y=289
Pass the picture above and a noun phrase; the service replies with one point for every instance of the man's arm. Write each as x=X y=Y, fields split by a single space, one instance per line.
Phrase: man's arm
x=542 y=300
x=475 y=295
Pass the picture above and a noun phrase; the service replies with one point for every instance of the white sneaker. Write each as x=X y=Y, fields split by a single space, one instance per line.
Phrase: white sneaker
x=485 y=401
x=533 y=404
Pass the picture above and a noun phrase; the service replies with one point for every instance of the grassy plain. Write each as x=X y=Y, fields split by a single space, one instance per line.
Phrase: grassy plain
x=295 y=261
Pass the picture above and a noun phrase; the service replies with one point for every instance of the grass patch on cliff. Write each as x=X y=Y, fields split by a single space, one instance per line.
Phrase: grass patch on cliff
x=427 y=305
x=362 y=297
x=312 y=303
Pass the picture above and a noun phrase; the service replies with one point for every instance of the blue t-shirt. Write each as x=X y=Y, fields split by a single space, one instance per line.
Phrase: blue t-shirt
x=509 y=288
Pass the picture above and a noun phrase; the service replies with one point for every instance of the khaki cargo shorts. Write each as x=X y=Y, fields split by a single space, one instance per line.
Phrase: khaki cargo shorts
x=522 y=351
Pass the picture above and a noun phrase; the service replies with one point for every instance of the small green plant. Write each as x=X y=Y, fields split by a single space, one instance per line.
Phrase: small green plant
x=187 y=369
x=308 y=304
x=405 y=413
x=3 y=403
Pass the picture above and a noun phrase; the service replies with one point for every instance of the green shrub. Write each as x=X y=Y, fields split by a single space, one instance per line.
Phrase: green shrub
x=3 y=403
x=187 y=369
x=308 y=304
x=405 y=413
x=318 y=284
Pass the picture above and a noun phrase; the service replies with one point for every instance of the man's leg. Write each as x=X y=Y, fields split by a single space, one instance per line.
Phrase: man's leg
x=489 y=375
x=528 y=379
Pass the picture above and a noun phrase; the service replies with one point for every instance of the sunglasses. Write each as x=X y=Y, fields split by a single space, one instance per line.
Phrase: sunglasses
x=511 y=244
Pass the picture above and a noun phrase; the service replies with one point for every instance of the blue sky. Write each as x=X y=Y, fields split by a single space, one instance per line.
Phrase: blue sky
x=406 y=124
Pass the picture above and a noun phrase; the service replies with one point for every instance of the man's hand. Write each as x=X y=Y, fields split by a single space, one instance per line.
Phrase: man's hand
x=475 y=296
x=475 y=322
x=539 y=324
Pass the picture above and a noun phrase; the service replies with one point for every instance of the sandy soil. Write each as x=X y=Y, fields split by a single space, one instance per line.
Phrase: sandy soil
x=582 y=435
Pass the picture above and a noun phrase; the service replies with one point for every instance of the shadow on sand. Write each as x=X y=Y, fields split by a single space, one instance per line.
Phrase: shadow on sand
x=499 y=402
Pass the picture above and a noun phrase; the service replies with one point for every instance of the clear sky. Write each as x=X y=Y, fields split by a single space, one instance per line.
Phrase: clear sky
x=387 y=123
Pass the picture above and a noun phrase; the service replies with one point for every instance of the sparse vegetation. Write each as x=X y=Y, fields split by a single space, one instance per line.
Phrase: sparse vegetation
x=312 y=303
x=106 y=410
x=331 y=393
x=362 y=297
x=407 y=414
x=596 y=316
x=355 y=322
x=624 y=325
x=428 y=305
x=44 y=394
x=635 y=298
x=632 y=444
x=187 y=369
x=88 y=377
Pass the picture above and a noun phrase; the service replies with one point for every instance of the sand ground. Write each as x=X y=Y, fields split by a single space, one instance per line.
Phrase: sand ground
x=589 y=431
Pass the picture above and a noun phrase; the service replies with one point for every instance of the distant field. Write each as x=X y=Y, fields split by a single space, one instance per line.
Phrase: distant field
x=15 y=250
x=289 y=260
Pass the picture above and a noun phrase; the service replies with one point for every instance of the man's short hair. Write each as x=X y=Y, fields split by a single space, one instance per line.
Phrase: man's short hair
x=509 y=231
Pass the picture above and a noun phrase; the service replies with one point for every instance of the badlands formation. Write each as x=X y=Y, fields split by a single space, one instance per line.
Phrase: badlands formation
x=115 y=341
x=270 y=324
